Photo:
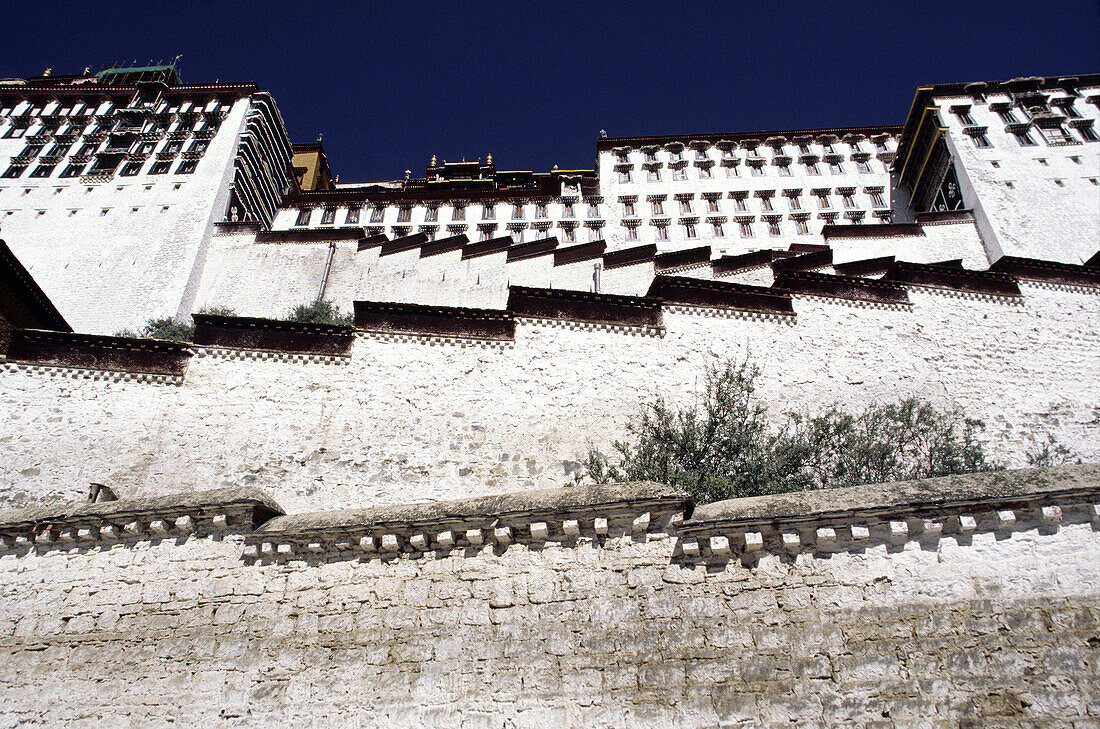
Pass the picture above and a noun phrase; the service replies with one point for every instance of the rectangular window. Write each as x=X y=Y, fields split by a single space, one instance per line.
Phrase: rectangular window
x=685 y=206
x=1071 y=112
x=803 y=226
x=877 y=201
x=353 y=216
x=187 y=167
x=712 y=204
x=677 y=155
x=567 y=210
x=849 y=201
x=689 y=230
x=1007 y=116
x=570 y=235
x=863 y=166
x=632 y=232
x=795 y=202
x=766 y=203
x=757 y=170
x=593 y=210
x=662 y=232
x=836 y=168
x=43 y=171
x=1087 y=133
x=981 y=141
x=705 y=173
x=746 y=230
x=650 y=156
x=739 y=203
x=159 y=167
x=880 y=145
x=773 y=228
x=303 y=216
x=718 y=230
x=1024 y=138
x=517 y=211
x=964 y=117
x=624 y=176
x=486 y=234
x=130 y=169
x=784 y=170
x=628 y=210
x=656 y=207
x=679 y=173
x=823 y=201
x=377 y=213
x=701 y=154
x=733 y=171
x=404 y=214
x=812 y=169
x=15 y=132
x=540 y=210
x=328 y=216
x=620 y=157
x=14 y=171
x=488 y=212
x=653 y=175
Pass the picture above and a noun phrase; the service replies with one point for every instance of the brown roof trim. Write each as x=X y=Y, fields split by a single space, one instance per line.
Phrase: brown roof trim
x=487 y=247
x=630 y=256
x=450 y=321
x=606 y=143
x=730 y=264
x=1094 y=261
x=882 y=230
x=96 y=352
x=532 y=249
x=583 y=252
x=404 y=243
x=946 y=216
x=371 y=241
x=806 y=247
x=1048 y=271
x=122 y=92
x=27 y=293
x=950 y=263
x=242 y=332
x=686 y=257
x=444 y=245
x=804 y=261
x=687 y=291
x=841 y=287
x=864 y=266
x=309 y=235
x=978 y=282
x=582 y=306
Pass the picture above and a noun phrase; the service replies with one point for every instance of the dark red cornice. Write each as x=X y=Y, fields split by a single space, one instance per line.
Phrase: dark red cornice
x=606 y=143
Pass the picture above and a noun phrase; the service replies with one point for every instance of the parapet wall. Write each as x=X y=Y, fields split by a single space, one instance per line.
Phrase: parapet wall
x=425 y=403
x=964 y=601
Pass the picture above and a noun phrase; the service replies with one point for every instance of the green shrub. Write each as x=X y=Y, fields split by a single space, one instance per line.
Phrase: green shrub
x=321 y=312
x=722 y=445
x=172 y=330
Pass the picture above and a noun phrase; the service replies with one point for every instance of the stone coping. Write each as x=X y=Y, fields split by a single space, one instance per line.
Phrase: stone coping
x=405 y=243
x=803 y=262
x=841 y=287
x=532 y=249
x=83 y=523
x=371 y=241
x=486 y=247
x=988 y=283
x=582 y=306
x=582 y=252
x=271 y=335
x=98 y=352
x=864 y=266
x=444 y=245
x=630 y=256
x=452 y=321
x=523 y=506
x=1047 y=271
x=686 y=257
x=687 y=291
x=932 y=495
x=881 y=230
x=309 y=235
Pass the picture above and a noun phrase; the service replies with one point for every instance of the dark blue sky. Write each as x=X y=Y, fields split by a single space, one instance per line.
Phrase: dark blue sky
x=533 y=83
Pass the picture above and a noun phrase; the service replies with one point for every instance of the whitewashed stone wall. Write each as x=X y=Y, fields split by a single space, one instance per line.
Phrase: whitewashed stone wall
x=992 y=628
x=411 y=419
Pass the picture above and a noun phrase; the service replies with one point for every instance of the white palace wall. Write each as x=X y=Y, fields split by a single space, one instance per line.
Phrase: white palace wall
x=412 y=418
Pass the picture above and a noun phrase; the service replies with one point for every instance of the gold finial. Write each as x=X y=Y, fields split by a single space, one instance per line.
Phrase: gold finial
x=432 y=163
x=488 y=159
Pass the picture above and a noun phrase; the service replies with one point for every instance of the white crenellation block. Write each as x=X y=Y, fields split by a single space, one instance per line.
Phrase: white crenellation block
x=690 y=545
x=445 y=539
x=368 y=543
x=898 y=530
x=109 y=532
x=343 y=544
x=1094 y=512
x=1006 y=518
x=967 y=523
x=221 y=521
x=754 y=541
x=23 y=541
x=67 y=535
x=267 y=549
x=44 y=537
x=1051 y=514
x=720 y=546
x=860 y=533
x=85 y=534
x=571 y=527
x=475 y=537
x=825 y=536
x=932 y=528
x=285 y=549
x=419 y=542
x=640 y=523
x=540 y=530
x=251 y=551
x=315 y=547
x=502 y=535
x=600 y=524
x=134 y=527
x=158 y=526
x=186 y=523
x=390 y=543
x=791 y=541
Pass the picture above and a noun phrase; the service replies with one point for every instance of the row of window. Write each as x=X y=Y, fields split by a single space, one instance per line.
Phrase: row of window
x=746 y=228
x=102 y=166
x=756 y=169
x=1053 y=135
x=752 y=151
x=1008 y=114
x=431 y=213
x=81 y=108
x=794 y=202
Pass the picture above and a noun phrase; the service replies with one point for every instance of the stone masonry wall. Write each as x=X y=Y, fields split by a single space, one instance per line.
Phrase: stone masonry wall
x=992 y=622
x=409 y=418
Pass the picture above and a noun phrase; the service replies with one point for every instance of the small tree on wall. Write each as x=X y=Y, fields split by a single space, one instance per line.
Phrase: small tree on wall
x=723 y=446
x=321 y=312
x=172 y=330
